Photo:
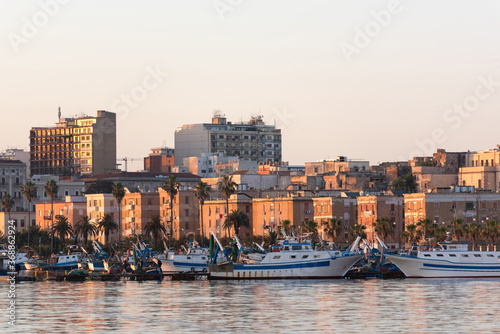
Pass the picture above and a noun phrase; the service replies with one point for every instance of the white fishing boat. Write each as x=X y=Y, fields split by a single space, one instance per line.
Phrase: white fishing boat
x=195 y=258
x=447 y=260
x=294 y=259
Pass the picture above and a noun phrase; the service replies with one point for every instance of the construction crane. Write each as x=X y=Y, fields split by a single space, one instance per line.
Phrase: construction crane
x=126 y=160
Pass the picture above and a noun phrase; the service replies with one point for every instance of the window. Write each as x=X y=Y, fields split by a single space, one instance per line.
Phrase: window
x=464 y=255
x=489 y=255
x=305 y=256
x=186 y=200
x=293 y=256
x=186 y=226
x=22 y=222
x=276 y=257
x=477 y=255
x=427 y=255
x=453 y=255
x=440 y=255
x=296 y=247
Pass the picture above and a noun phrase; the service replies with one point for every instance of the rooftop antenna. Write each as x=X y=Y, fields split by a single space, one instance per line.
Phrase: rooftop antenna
x=59 y=113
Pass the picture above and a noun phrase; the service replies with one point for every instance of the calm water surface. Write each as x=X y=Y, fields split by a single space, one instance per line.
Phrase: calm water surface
x=332 y=306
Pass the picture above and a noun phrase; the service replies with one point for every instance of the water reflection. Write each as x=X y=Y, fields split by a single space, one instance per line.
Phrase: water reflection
x=334 y=306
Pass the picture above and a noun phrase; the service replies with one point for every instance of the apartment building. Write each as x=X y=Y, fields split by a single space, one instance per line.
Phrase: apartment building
x=343 y=209
x=73 y=208
x=137 y=210
x=482 y=170
x=185 y=212
x=97 y=206
x=253 y=140
x=75 y=146
x=160 y=160
x=12 y=177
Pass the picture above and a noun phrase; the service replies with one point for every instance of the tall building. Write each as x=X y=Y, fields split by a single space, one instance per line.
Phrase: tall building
x=249 y=141
x=12 y=177
x=83 y=145
x=482 y=170
x=160 y=160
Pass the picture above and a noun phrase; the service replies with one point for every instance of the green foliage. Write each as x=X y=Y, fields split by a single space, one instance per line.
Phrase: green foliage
x=106 y=225
x=405 y=183
x=384 y=227
x=100 y=187
x=155 y=229
x=357 y=230
x=236 y=219
x=333 y=228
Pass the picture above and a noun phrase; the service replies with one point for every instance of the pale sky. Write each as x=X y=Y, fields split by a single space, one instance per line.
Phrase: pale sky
x=363 y=79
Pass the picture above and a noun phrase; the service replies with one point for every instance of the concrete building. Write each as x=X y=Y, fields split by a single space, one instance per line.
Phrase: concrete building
x=137 y=210
x=249 y=141
x=339 y=164
x=17 y=154
x=482 y=170
x=442 y=208
x=432 y=177
x=185 y=212
x=12 y=177
x=73 y=208
x=66 y=188
x=250 y=180
x=82 y=145
x=269 y=213
x=205 y=165
x=371 y=208
x=160 y=160
x=354 y=181
x=340 y=208
x=214 y=215
x=20 y=221
x=97 y=206
x=232 y=166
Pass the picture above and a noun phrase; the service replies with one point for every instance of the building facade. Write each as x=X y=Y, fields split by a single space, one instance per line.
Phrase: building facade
x=73 y=208
x=249 y=141
x=75 y=146
x=160 y=160
x=12 y=177
x=343 y=209
x=185 y=213
x=482 y=170
x=137 y=210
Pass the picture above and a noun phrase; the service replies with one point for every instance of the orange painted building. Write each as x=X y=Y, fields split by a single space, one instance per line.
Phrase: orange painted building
x=137 y=210
x=73 y=208
x=185 y=212
x=343 y=209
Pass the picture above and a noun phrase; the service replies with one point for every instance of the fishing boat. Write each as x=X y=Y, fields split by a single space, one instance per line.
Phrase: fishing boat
x=93 y=262
x=58 y=261
x=448 y=260
x=195 y=258
x=295 y=258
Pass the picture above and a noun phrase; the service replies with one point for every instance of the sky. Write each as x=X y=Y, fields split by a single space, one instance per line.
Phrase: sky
x=373 y=80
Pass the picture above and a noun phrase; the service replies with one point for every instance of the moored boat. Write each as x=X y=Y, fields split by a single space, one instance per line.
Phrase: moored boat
x=448 y=260
x=294 y=259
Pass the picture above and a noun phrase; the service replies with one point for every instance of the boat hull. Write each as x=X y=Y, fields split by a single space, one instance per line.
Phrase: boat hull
x=414 y=267
x=321 y=268
x=173 y=265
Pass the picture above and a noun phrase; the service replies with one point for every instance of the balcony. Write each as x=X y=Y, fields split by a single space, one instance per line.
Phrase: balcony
x=130 y=219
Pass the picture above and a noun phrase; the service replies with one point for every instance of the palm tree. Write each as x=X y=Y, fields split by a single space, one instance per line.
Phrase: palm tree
x=86 y=228
x=411 y=234
x=333 y=227
x=427 y=227
x=118 y=193
x=7 y=203
x=227 y=187
x=154 y=228
x=440 y=233
x=51 y=189
x=491 y=231
x=357 y=230
x=171 y=186
x=473 y=231
x=106 y=225
x=384 y=227
x=62 y=227
x=456 y=228
x=28 y=190
x=237 y=219
x=287 y=226
x=202 y=193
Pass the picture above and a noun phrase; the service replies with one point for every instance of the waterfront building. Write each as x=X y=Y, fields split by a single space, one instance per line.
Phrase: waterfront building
x=137 y=210
x=343 y=209
x=12 y=177
x=17 y=154
x=75 y=146
x=20 y=219
x=185 y=212
x=254 y=140
x=160 y=160
x=214 y=215
x=97 y=206
x=482 y=170
x=73 y=207
x=443 y=208
x=372 y=208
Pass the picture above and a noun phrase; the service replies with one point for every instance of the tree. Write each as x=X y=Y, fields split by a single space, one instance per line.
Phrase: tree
x=384 y=227
x=332 y=228
x=154 y=228
x=456 y=228
x=118 y=193
x=357 y=230
x=491 y=231
x=272 y=238
x=405 y=183
x=62 y=227
x=237 y=219
x=28 y=190
x=51 y=189
x=106 y=225
x=227 y=187
x=473 y=231
x=287 y=226
x=100 y=187
x=202 y=193
x=411 y=234
x=427 y=227
x=7 y=203
x=86 y=228
x=171 y=186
